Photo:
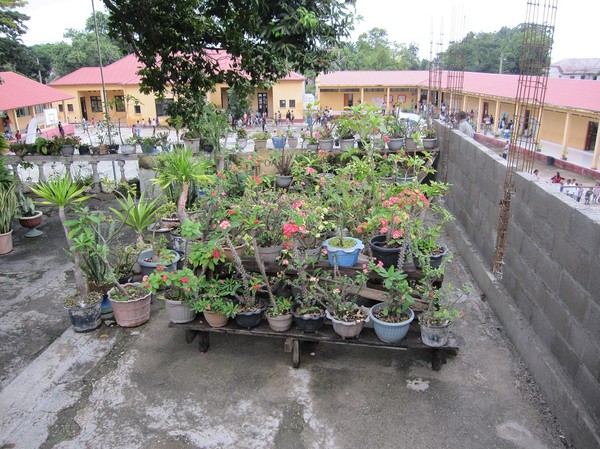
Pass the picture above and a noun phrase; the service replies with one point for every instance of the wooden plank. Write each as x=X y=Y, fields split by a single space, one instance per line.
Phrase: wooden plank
x=326 y=334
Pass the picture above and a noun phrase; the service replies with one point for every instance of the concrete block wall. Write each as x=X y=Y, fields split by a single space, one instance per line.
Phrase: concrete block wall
x=476 y=176
x=552 y=269
x=551 y=277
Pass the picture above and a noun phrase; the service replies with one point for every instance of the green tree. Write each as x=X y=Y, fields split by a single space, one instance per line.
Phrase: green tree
x=12 y=25
x=182 y=44
x=374 y=51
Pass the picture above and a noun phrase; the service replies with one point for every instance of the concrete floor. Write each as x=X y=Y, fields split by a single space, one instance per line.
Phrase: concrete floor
x=146 y=388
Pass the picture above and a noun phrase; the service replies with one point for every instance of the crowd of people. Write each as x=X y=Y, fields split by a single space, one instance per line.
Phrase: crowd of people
x=575 y=190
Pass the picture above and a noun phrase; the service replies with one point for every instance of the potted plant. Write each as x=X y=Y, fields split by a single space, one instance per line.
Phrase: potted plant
x=341 y=198
x=130 y=304
x=429 y=137
x=279 y=314
x=441 y=310
x=347 y=317
x=425 y=245
x=324 y=136
x=395 y=131
x=279 y=139
x=63 y=192
x=283 y=163
x=180 y=288
x=346 y=126
x=138 y=214
x=292 y=139
x=312 y=143
x=391 y=319
x=29 y=217
x=8 y=206
x=310 y=303
x=413 y=135
x=66 y=144
x=158 y=257
x=242 y=138
x=215 y=300
x=260 y=140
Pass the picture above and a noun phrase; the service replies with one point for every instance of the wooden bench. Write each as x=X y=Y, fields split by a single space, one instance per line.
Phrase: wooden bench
x=293 y=337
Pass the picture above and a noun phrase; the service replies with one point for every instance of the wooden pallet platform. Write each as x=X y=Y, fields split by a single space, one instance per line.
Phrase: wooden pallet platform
x=293 y=337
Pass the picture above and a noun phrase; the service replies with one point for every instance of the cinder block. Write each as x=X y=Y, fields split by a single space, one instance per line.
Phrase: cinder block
x=549 y=272
x=592 y=320
x=586 y=348
x=565 y=355
x=544 y=236
x=557 y=313
x=589 y=388
x=574 y=297
x=560 y=218
x=584 y=232
x=541 y=325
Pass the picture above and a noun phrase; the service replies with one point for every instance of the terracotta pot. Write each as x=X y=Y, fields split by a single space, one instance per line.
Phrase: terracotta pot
x=133 y=312
x=229 y=254
x=6 y=245
x=215 y=319
x=260 y=144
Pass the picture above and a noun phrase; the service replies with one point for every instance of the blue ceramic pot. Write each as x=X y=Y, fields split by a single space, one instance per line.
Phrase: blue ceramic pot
x=390 y=332
x=343 y=257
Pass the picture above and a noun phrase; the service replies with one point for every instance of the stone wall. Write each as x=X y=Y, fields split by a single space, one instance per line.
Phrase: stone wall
x=549 y=296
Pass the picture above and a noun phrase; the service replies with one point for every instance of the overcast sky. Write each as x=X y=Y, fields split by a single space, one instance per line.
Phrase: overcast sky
x=421 y=21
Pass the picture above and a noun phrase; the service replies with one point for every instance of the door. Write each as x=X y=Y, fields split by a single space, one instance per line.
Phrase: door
x=348 y=100
x=590 y=138
x=263 y=105
x=83 y=108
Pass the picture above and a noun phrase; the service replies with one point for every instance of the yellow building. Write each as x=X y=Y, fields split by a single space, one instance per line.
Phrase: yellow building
x=570 y=116
x=121 y=79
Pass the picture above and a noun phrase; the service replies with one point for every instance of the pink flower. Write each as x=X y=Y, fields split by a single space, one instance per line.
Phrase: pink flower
x=145 y=278
x=187 y=289
x=216 y=254
x=431 y=294
x=184 y=280
x=147 y=284
x=213 y=193
x=396 y=234
x=386 y=139
x=160 y=268
x=224 y=225
x=289 y=229
x=383 y=230
x=256 y=179
x=380 y=264
x=285 y=262
x=310 y=170
x=165 y=277
x=359 y=229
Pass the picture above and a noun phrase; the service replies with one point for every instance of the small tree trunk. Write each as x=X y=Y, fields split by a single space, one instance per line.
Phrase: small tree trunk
x=182 y=202
x=80 y=283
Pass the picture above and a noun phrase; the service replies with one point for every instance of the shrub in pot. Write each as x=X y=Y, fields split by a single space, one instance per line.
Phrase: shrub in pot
x=179 y=287
x=215 y=299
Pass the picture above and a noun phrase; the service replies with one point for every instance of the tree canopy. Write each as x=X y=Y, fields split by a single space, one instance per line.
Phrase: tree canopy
x=374 y=51
x=482 y=52
x=12 y=26
x=182 y=44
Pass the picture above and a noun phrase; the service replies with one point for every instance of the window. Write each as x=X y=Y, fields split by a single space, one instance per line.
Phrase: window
x=60 y=108
x=162 y=106
x=38 y=108
x=137 y=109
x=22 y=112
x=282 y=103
x=292 y=103
x=70 y=107
x=119 y=103
x=96 y=103
x=329 y=90
x=582 y=77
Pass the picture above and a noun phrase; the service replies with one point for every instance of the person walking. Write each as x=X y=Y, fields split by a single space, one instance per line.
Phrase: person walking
x=61 y=130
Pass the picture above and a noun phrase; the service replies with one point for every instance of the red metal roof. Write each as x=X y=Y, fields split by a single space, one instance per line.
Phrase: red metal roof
x=18 y=91
x=560 y=92
x=125 y=72
x=122 y=72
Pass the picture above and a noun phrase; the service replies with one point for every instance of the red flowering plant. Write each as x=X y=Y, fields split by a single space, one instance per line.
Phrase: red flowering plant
x=179 y=285
x=396 y=214
x=216 y=295
x=308 y=222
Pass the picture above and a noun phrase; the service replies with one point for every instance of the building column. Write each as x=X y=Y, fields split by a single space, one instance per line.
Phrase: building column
x=566 y=134
x=362 y=95
x=15 y=121
x=464 y=103
x=596 y=152
x=64 y=119
x=479 y=115
x=387 y=99
x=496 y=116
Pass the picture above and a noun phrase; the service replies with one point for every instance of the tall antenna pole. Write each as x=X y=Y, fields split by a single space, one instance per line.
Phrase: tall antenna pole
x=106 y=111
